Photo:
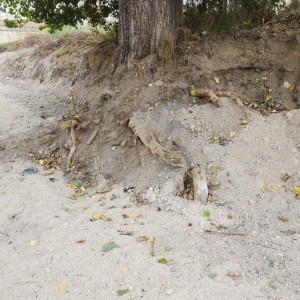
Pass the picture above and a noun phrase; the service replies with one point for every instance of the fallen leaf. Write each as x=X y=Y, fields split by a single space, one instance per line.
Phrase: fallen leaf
x=232 y=134
x=73 y=186
x=84 y=207
x=244 y=122
x=292 y=88
x=109 y=246
x=121 y=292
x=80 y=241
x=217 y=80
x=124 y=270
x=157 y=104
x=273 y=285
x=297 y=190
x=197 y=118
x=133 y=215
x=113 y=148
x=98 y=216
x=215 y=139
x=213 y=169
x=162 y=260
x=193 y=93
x=285 y=177
x=63 y=287
x=33 y=242
x=269 y=97
x=205 y=214
x=150 y=108
x=233 y=276
x=212 y=275
x=41 y=162
x=49 y=172
x=264 y=78
x=283 y=218
x=280 y=279
x=145 y=239
x=19 y=178
x=277 y=186
x=83 y=189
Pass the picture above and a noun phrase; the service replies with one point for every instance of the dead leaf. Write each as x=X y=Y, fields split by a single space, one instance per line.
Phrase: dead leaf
x=80 y=241
x=217 y=80
x=292 y=88
x=98 y=216
x=33 y=242
x=63 y=287
x=297 y=190
x=277 y=186
x=124 y=270
x=231 y=134
x=244 y=122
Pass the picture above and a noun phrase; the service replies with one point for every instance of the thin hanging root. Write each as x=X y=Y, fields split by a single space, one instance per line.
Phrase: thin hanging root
x=73 y=125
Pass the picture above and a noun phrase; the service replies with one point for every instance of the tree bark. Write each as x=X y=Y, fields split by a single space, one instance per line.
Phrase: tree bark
x=144 y=23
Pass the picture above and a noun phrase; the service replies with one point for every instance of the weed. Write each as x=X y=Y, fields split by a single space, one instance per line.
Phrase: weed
x=63 y=52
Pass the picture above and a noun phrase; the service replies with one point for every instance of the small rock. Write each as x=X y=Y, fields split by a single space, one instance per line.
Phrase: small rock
x=159 y=83
x=287 y=85
x=169 y=292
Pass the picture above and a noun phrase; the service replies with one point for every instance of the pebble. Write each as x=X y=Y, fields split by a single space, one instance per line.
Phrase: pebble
x=169 y=292
x=159 y=83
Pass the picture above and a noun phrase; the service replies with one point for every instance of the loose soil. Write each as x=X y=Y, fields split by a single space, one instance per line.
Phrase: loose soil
x=242 y=244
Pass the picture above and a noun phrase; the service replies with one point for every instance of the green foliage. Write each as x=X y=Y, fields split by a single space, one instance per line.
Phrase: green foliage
x=4 y=47
x=55 y=14
x=231 y=15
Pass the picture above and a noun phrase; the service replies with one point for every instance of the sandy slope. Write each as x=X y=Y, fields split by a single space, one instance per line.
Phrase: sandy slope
x=262 y=263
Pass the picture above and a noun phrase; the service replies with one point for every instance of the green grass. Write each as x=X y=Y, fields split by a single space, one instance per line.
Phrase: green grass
x=4 y=46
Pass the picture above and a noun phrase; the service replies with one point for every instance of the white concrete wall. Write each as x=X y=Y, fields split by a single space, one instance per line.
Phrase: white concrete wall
x=10 y=35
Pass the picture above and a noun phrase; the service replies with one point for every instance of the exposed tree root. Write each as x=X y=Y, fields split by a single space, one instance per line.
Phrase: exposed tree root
x=174 y=158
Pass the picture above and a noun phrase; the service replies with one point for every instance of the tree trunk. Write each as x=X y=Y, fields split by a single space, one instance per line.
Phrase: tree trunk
x=144 y=23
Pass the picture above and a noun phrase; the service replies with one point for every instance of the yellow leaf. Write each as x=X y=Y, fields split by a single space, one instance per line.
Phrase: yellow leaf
x=113 y=148
x=264 y=78
x=33 y=242
x=269 y=97
x=133 y=215
x=277 y=186
x=63 y=287
x=197 y=118
x=292 y=88
x=193 y=93
x=73 y=186
x=19 y=178
x=216 y=139
x=244 y=122
x=297 y=190
x=41 y=162
x=85 y=207
x=157 y=104
x=83 y=189
x=97 y=216
x=41 y=151
x=143 y=239
x=49 y=172
x=213 y=169
x=217 y=80
x=232 y=134
x=124 y=270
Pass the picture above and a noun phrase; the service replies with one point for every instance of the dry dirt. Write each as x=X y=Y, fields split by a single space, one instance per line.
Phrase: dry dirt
x=249 y=246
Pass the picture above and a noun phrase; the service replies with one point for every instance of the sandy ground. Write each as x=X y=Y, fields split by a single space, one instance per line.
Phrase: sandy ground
x=50 y=248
